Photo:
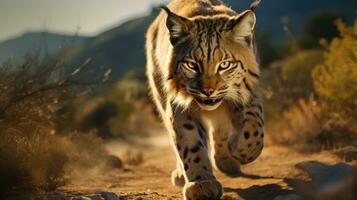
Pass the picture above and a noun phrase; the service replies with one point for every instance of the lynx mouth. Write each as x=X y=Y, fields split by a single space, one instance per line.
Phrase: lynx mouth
x=209 y=102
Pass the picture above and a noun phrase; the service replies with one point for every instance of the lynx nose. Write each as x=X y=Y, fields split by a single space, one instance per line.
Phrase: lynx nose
x=207 y=91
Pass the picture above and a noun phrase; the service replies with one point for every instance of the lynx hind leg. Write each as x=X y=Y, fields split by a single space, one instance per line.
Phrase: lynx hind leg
x=223 y=161
x=247 y=140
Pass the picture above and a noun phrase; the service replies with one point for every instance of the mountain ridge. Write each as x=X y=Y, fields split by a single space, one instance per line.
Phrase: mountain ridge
x=39 y=43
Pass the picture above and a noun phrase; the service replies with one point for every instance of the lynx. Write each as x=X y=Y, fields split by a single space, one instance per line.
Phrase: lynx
x=203 y=74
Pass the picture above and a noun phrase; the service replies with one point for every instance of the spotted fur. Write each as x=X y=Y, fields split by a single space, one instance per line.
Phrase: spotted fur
x=203 y=75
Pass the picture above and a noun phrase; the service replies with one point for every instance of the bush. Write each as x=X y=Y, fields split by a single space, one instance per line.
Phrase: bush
x=40 y=160
x=306 y=126
x=328 y=121
x=335 y=80
x=124 y=110
x=33 y=155
x=297 y=124
x=318 y=26
x=296 y=73
x=267 y=49
x=285 y=82
x=31 y=161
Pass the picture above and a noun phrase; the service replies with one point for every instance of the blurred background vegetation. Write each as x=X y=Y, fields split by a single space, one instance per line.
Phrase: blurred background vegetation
x=63 y=94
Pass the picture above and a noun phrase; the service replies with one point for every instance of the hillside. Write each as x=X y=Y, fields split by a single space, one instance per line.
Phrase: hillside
x=122 y=48
x=39 y=43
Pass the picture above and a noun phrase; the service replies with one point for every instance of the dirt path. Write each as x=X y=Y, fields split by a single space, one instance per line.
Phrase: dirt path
x=271 y=175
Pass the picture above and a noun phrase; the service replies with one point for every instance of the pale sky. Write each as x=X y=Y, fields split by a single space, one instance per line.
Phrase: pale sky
x=65 y=16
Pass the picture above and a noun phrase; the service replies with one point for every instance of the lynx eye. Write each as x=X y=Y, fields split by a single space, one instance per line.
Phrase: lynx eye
x=190 y=66
x=224 y=65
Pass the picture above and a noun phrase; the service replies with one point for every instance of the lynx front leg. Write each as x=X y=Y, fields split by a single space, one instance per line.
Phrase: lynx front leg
x=192 y=153
x=246 y=143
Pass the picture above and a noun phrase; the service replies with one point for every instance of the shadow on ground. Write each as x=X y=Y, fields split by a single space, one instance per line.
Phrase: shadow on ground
x=328 y=182
x=267 y=192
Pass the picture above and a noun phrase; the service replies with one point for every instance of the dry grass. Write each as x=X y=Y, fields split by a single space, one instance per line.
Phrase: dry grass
x=33 y=156
x=42 y=161
x=33 y=161
x=133 y=158
x=297 y=122
x=307 y=127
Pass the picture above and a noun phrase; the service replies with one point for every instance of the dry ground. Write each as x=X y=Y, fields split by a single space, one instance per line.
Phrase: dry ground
x=273 y=174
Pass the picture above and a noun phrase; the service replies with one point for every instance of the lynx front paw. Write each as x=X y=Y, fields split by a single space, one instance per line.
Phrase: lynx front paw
x=203 y=190
x=177 y=178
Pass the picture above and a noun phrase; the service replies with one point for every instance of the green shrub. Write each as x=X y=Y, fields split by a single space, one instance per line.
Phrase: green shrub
x=335 y=80
x=325 y=122
x=297 y=70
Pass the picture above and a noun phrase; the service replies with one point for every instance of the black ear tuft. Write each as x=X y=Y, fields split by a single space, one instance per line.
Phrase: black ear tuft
x=254 y=5
x=166 y=9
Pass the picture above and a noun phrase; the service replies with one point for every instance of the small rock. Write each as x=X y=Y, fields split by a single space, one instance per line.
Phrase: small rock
x=109 y=196
x=288 y=197
x=80 y=198
x=53 y=196
x=324 y=175
x=330 y=182
x=92 y=197
x=113 y=162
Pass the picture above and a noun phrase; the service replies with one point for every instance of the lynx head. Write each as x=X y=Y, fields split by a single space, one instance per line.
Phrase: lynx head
x=212 y=59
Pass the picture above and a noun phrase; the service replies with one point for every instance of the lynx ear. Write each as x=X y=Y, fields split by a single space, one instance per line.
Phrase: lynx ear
x=243 y=25
x=178 y=26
